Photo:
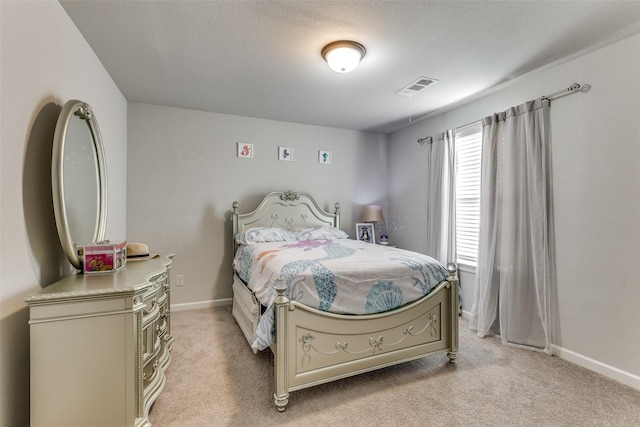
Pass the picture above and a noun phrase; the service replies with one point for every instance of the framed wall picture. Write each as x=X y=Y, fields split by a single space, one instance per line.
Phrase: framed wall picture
x=365 y=232
x=324 y=157
x=245 y=150
x=285 y=154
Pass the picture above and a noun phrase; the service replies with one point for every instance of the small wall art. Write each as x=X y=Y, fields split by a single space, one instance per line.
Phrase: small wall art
x=285 y=154
x=245 y=150
x=324 y=157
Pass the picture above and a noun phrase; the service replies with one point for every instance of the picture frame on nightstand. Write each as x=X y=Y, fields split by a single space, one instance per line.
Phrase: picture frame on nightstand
x=365 y=232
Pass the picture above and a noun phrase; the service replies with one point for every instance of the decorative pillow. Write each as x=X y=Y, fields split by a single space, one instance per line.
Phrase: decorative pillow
x=320 y=232
x=264 y=234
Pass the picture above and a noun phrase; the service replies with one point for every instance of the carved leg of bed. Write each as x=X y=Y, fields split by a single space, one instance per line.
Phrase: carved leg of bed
x=281 y=395
x=281 y=402
x=452 y=268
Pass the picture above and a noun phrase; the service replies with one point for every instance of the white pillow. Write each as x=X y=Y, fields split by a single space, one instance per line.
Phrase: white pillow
x=249 y=236
x=320 y=232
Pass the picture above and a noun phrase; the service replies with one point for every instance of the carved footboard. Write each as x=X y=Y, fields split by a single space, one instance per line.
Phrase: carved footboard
x=313 y=347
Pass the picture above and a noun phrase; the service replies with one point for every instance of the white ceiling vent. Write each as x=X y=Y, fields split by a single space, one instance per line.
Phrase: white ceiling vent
x=416 y=86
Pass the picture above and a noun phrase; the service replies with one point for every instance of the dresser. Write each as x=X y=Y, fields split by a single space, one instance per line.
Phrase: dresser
x=100 y=346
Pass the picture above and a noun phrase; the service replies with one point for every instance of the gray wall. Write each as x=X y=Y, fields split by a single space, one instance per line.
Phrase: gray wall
x=45 y=62
x=596 y=174
x=184 y=175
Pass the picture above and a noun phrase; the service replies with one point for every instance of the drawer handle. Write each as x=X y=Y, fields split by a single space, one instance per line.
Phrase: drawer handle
x=161 y=331
x=154 y=302
x=154 y=373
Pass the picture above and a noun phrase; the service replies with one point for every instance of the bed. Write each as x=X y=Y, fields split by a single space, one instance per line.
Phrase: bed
x=315 y=341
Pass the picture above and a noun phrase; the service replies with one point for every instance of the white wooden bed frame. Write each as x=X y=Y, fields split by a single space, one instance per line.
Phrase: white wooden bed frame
x=314 y=347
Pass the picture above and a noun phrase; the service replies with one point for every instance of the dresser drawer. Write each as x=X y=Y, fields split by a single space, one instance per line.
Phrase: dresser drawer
x=154 y=292
x=154 y=324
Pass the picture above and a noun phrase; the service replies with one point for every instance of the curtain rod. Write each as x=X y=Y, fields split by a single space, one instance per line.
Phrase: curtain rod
x=576 y=87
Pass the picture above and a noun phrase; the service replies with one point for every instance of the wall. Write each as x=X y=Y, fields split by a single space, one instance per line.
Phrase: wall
x=184 y=175
x=45 y=62
x=596 y=147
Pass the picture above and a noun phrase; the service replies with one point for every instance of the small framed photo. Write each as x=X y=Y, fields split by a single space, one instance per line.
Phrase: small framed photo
x=324 y=157
x=245 y=150
x=285 y=154
x=365 y=232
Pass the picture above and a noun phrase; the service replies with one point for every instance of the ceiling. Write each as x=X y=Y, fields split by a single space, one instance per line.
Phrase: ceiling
x=262 y=58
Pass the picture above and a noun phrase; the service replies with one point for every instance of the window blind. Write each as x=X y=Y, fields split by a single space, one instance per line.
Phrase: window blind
x=468 y=156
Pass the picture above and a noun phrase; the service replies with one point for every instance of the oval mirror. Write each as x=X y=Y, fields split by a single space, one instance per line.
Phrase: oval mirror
x=79 y=181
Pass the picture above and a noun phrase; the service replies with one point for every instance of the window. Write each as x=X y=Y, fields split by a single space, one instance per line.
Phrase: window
x=468 y=156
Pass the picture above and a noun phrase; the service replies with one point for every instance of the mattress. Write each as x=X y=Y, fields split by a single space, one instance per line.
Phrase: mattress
x=342 y=276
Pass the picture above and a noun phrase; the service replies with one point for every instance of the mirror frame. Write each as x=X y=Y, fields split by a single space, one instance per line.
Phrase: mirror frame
x=74 y=108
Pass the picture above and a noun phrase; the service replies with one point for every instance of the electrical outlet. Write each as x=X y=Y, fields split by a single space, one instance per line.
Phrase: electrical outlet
x=179 y=280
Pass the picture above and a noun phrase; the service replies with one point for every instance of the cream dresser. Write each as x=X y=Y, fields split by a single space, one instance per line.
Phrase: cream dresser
x=100 y=346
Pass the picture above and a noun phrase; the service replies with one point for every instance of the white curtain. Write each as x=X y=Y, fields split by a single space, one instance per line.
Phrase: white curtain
x=515 y=275
x=441 y=200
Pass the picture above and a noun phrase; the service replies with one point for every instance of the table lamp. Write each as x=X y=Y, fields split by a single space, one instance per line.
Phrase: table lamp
x=373 y=213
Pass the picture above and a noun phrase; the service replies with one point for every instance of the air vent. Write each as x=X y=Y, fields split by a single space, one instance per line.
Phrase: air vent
x=416 y=86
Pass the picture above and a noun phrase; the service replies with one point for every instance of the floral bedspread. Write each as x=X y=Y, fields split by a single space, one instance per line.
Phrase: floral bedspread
x=340 y=276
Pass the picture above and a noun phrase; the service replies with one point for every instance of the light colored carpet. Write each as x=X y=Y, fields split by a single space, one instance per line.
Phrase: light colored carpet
x=216 y=380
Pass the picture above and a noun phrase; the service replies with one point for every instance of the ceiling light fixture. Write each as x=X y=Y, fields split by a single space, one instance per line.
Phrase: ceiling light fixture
x=343 y=56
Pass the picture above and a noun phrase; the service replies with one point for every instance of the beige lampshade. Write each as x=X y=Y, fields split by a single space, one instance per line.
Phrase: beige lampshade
x=373 y=213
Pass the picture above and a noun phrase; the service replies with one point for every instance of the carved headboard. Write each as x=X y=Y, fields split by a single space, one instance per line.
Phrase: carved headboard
x=289 y=210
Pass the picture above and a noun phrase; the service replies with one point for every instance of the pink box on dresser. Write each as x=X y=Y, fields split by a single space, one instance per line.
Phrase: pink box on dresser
x=104 y=256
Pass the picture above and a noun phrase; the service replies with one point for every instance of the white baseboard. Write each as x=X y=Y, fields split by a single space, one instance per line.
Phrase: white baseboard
x=201 y=304
x=608 y=371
